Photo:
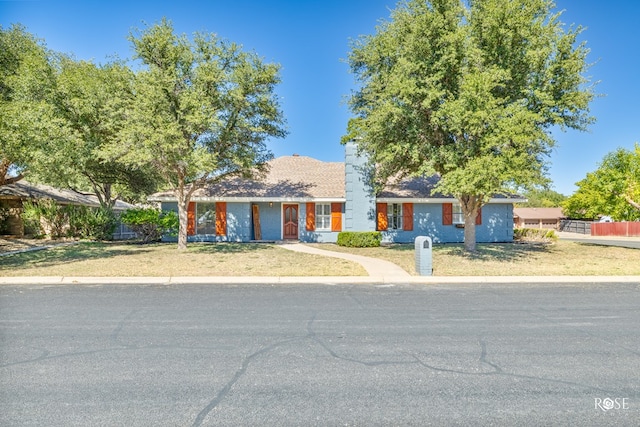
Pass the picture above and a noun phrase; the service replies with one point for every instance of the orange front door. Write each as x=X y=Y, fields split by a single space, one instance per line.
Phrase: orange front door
x=290 y=221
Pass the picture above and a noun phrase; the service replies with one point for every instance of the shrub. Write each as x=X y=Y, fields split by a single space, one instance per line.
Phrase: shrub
x=360 y=239
x=47 y=218
x=91 y=223
x=150 y=224
x=534 y=234
x=5 y=214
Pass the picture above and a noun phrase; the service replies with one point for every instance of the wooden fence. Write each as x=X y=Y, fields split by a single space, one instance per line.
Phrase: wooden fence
x=624 y=229
x=573 y=226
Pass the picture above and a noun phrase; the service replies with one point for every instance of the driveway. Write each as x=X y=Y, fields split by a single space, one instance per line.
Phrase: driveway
x=625 y=242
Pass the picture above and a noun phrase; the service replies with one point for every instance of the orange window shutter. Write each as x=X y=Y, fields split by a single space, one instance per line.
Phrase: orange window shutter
x=311 y=217
x=336 y=216
x=447 y=213
x=383 y=222
x=407 y=216
x=221 y=218
x=479 y=217
x=191 y=219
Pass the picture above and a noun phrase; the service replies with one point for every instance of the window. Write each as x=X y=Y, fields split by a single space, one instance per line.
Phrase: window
x=458 y=216
x=206 y=218
x=394 y=216
x=323 y=216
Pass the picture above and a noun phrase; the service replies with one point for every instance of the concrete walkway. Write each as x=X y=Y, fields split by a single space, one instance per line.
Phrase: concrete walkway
x=374 y=266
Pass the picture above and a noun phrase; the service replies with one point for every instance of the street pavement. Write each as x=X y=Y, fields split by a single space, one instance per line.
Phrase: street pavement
x=322 y=355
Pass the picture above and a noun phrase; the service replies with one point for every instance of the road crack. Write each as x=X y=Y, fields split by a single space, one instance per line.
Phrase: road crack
x=239 y=374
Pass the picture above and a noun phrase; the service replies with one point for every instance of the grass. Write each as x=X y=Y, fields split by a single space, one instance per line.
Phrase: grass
x=244 y=259
x=128 y=259
x=513 y=259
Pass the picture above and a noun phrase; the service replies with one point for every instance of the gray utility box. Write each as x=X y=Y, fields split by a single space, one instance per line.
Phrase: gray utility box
x=424 y=257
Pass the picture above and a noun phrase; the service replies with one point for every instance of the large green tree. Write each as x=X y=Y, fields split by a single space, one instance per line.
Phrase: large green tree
x=92 y=101
x=203 y=111
x=612 y=190
x=542 y=198
x=26 y=119
x=468 y=90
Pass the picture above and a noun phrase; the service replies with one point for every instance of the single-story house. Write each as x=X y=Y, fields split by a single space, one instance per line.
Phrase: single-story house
x=13 y=195
x=541 y=218
x=309 y=200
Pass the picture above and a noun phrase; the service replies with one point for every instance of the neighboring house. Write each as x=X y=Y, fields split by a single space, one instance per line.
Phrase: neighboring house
x=548 y=218
x=305 y=199
x=13 y=195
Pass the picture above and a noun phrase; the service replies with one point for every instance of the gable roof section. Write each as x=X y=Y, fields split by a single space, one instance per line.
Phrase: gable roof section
x=538 y=213
x=288 y=177
x=25 y=190
x=422 y=188
x=411 y=188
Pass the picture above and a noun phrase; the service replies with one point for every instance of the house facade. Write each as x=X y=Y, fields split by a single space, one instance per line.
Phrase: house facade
x=541 y=218
x=305 y=199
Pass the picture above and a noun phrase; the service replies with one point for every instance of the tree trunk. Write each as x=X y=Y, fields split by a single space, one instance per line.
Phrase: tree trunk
x=470 y=231
x=632 y=202
x=5 y=165
x=470 y=206
x=183 y=203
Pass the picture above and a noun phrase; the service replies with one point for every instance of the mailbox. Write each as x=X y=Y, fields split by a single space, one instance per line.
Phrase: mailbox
x=424 y=257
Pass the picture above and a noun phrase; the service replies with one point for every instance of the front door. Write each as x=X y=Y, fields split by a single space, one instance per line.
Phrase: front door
x=290 y=221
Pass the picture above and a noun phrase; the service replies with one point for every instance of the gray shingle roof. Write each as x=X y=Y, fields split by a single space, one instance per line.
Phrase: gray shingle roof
x=287 y=177
x=25 y=190
x=412 y=188
x=302 y=177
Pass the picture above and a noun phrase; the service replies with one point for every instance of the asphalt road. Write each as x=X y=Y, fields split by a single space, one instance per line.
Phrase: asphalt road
x=218 y=355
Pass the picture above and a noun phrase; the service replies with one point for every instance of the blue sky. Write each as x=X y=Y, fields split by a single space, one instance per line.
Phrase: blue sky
x=310 y=39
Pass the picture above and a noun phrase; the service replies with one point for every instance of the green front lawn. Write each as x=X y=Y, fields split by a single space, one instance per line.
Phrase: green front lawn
x=200 y=259
x=513 y=259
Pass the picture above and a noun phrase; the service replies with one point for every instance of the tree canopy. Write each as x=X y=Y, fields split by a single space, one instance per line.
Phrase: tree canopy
x=203 y=110
x=612 y=190
x=542 y=198
x=469 y=91
x=26 y=82
x=92 y=101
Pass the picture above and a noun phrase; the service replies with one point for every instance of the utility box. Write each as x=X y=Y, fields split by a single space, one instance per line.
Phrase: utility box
x=424 y=255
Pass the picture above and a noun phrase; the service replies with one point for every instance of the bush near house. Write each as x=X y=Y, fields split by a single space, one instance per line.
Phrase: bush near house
x=150 y=224
x=534 y=234
x=359 y=239
x=5 y=214
x=47 y=218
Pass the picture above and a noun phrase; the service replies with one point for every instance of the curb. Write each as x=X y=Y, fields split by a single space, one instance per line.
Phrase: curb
x=330 y=280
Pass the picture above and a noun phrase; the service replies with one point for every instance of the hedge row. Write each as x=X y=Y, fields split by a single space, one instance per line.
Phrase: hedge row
x=359 y=239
